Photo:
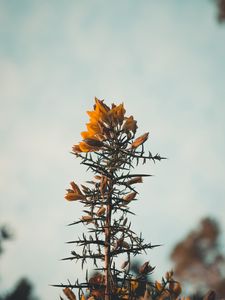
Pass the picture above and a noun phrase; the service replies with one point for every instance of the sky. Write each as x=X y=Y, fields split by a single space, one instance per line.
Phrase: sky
x=165 y=61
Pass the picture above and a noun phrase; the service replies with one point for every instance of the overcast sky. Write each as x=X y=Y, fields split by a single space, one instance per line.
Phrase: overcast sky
x=165 y=61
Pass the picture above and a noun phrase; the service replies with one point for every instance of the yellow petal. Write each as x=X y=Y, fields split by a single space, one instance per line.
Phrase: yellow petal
x=95 y=116
x=94 y=128
x=101 y=106
x=86 y=134
x=86 y=148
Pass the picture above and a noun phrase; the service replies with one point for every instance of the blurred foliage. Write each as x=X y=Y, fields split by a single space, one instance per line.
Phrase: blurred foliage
x=23 y=289
x=221 y=10
x=199 y=260
x=5 y=235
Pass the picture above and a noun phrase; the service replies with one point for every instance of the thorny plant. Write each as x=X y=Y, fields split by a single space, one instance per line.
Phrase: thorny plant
x=111 y=151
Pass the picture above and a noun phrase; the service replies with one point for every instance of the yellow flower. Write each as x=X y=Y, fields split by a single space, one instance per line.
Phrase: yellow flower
x=76 y=148
x=117 y=114
x=86 y=134
x=94 y=128
x=103 y=121
x=93 y=142
x=75 y=188
x=140 y=140
x=87 y=148
x=75 y=193
x=101 y=108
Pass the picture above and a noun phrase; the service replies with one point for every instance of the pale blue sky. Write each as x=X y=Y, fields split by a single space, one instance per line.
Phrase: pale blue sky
x=165 y=61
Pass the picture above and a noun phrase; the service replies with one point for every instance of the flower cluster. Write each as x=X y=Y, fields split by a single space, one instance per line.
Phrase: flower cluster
x=168 y=288
x=108 y=125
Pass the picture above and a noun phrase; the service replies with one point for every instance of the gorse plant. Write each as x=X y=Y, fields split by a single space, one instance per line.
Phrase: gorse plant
x=111 y=151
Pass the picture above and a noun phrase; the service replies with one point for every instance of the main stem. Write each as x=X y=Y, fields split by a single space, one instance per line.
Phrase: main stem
x=107 y=244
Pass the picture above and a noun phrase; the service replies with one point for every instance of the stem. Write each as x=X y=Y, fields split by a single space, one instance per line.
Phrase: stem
x=107 y=244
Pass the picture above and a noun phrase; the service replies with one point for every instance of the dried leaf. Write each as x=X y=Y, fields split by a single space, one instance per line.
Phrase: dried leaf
x=135 y=180
x=69 y=294
x=101 y=211
x=125 y=264
x=74 y=197
x=140 y=140
x=87 y=218
x=129 y=196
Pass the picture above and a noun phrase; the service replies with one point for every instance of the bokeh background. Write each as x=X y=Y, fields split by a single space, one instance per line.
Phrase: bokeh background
x=166 y=61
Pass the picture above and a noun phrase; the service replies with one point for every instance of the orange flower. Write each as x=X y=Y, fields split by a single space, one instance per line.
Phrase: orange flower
x=100 y=112
x=130 y=124
x=87 y=148
x=76 y=148
x=103 y=121
x=117 y=113
x=75 y=188
x=93 y=142
x=75 y=193
x=133 y=285
x=94 y=128
x=140 y=140
x=175 y=287
x=158 y=286
x=86 y=134
x=101 y=107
